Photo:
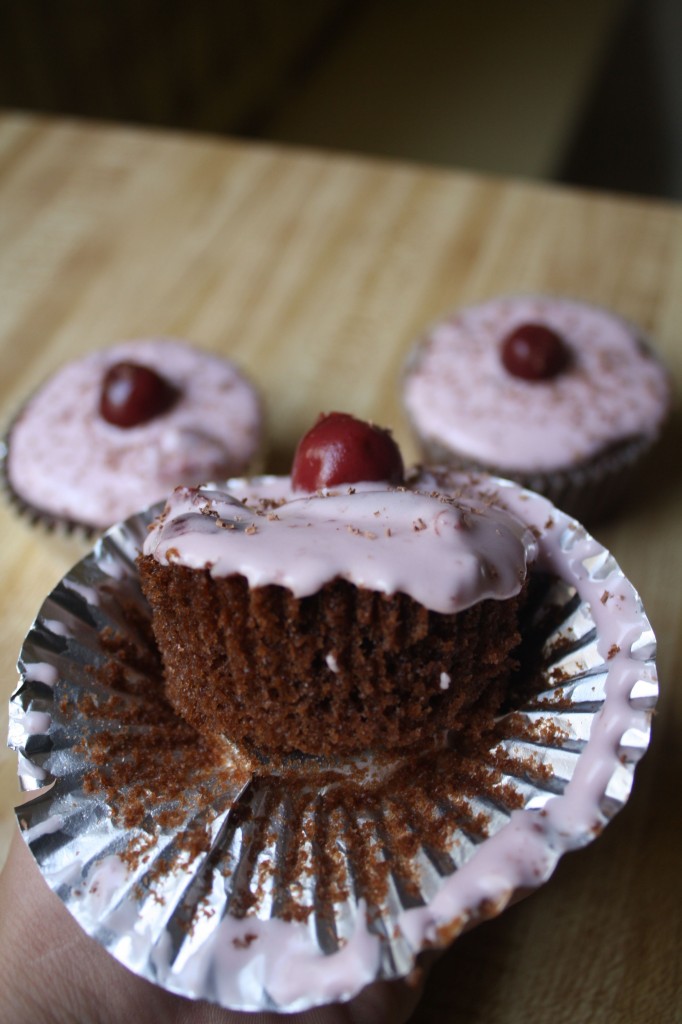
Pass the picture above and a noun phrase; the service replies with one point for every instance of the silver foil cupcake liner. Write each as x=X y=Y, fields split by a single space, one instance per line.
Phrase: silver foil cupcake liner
x=217 y=878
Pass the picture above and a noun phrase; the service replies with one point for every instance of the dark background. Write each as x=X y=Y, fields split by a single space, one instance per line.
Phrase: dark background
x=587 y=92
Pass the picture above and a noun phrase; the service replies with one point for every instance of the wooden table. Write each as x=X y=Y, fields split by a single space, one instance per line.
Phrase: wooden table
x=314 y=273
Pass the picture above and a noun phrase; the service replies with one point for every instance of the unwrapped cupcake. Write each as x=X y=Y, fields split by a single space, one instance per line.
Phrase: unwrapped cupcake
x=337 y=610
x=311 y=613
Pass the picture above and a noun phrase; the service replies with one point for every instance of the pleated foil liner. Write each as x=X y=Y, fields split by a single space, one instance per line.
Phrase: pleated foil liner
x=218 y=878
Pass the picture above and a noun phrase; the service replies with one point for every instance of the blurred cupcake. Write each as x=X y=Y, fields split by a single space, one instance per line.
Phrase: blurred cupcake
x=117 y=430
x=563 y=397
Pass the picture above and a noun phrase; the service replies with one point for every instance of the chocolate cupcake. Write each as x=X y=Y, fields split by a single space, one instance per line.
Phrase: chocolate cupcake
x=118 y=429
x=560 y=396
x=337 y=616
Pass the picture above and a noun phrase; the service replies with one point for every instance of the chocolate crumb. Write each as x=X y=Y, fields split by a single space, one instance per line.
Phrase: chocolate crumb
x=224 y=524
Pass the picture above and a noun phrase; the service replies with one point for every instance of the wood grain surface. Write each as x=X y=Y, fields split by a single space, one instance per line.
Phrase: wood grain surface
x=315 y=273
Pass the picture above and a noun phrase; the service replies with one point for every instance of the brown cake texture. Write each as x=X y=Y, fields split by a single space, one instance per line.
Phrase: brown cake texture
x=337 y=672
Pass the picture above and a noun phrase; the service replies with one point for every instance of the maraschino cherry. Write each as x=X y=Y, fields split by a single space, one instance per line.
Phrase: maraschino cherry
x=534 y=352
x=133 y=394
x=341 y=449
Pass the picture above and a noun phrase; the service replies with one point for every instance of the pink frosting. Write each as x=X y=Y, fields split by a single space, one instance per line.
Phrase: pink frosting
x=459 y=395
x=66 y=460
x=444 y=554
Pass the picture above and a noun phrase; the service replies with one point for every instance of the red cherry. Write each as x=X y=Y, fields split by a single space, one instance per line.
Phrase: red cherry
x=340 y=449
x=132 y=394
x=534 y=352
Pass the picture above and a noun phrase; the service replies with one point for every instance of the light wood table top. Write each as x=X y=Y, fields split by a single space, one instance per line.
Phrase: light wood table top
x=315 y=273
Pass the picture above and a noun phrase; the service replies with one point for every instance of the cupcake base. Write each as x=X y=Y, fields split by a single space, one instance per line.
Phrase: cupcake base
x=338 y=672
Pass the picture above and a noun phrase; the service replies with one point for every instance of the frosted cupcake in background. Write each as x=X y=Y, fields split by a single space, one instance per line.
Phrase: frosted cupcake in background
x=115 y=431
x=563 y=397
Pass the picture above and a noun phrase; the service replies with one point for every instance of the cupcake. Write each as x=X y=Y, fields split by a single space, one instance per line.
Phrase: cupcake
x=115 y=431
x=563 y=397
x=335 y=611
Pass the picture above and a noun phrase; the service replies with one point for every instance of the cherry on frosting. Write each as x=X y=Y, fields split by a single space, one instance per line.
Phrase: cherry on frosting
x=341 y=449
x=133 y=394
x=534 y=352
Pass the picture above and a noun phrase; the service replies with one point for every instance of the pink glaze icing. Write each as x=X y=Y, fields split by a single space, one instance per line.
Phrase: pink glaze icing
x=447 y=556
x=286 y=956
x=66 y=460
x=459 y=396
